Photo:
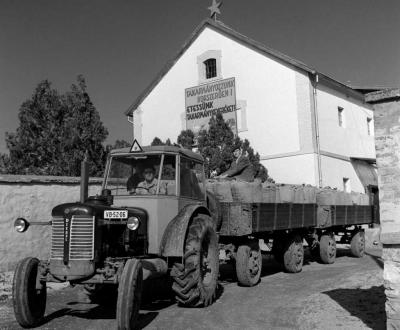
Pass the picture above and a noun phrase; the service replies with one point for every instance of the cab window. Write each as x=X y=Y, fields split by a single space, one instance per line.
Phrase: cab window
x=191 y=179
x=168 y=175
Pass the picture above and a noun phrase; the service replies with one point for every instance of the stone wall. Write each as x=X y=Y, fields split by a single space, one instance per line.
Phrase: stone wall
x=387 y=140
x=32 y=197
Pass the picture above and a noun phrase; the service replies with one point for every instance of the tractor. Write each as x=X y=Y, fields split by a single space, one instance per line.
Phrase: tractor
x=153 y=218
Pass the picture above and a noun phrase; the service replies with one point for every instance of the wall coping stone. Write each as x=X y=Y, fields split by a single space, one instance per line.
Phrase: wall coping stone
x=384 y=95
x=45 y=179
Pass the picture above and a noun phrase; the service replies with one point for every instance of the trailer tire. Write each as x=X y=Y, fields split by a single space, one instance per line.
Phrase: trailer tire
x=129 y=295
x=248 y=264
x=357 y=245
x=293 y=255
x=327 y=249
x=29 y=303
x=195 y=281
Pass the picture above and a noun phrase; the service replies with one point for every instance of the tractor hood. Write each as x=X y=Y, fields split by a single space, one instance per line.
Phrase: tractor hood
x=93 y=208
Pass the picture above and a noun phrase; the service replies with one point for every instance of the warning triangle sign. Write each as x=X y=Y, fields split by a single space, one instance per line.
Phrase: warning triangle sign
x=136 y=147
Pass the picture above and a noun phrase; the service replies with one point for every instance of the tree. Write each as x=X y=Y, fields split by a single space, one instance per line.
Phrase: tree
x=186 y=139
x=55 y=131
x=121 y=144
x=157 y=142
x=4 y=163
x=118 y=144
x=217 y=144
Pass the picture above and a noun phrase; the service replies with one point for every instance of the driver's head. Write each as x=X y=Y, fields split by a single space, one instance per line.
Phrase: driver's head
x=149 y=173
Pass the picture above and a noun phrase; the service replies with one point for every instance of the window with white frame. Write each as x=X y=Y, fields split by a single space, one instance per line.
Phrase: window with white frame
x=209 y=66
x=341 y=118
x=369 y=126
x=346 y=185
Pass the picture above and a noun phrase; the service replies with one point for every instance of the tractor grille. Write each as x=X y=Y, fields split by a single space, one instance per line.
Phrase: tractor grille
x=57 y=238
x=80 y=237
x=81 y=242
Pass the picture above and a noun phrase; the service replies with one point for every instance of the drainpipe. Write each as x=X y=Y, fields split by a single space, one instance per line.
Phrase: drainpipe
x=130 y=119
x=314 y=84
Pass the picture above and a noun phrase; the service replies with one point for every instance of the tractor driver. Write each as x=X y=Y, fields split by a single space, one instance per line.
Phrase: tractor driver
x=149 y=185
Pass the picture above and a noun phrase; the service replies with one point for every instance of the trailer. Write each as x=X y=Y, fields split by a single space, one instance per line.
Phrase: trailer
x=287 y=226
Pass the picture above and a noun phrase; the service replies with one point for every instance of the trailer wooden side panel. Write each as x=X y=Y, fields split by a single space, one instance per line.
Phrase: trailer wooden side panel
x=239 y=219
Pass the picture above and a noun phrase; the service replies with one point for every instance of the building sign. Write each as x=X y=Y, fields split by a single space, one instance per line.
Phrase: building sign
x=207 y=100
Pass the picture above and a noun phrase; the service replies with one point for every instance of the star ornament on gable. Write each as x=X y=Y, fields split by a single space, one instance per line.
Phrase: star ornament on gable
x=214 y=8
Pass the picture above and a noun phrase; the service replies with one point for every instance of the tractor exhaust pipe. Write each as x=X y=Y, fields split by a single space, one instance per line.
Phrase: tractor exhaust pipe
x=84 y=178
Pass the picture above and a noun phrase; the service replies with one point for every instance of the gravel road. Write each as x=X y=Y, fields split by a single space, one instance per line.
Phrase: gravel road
x=345 y=295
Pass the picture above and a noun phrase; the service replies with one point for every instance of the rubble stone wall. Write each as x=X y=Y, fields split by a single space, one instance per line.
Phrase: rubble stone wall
x=32 y=197
x=387 y=143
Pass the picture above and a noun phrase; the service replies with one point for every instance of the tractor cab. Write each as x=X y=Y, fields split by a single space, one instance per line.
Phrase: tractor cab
x=160 y=179
x=156 y=171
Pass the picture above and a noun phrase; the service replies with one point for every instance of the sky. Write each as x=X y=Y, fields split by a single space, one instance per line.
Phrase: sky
x=120 y=46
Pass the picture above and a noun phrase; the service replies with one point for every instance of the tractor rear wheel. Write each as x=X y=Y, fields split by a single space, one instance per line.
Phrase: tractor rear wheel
x=129 y=294
x=195 y=281
x=293 y=255
x=248 y=264
x=29 y=300
x=327 y=249
x=357 y=244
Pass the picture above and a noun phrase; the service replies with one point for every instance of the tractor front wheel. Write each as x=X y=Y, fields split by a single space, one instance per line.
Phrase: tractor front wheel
x=195 y=281
x=129 y=294
x=29 y=297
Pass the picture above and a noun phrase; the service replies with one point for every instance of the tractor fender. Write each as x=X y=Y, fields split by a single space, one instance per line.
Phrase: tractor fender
x=173 y=240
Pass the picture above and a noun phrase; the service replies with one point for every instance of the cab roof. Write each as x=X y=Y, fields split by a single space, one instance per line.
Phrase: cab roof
x=161 y=149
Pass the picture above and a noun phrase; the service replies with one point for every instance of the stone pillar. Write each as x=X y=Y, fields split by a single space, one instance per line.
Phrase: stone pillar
x=387 y=143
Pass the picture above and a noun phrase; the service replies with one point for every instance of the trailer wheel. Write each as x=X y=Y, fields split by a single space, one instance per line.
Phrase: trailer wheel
x=294 y=255
x=195 y=281
x=327 y=249
x=129 y=294
x=357 y=245
x=248 y=264
x=29 y=302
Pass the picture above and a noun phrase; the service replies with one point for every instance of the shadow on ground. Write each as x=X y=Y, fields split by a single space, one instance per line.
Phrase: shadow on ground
x=155 y=298
x=368 y=305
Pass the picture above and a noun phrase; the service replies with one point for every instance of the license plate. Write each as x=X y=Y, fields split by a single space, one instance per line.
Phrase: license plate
x=115 y=214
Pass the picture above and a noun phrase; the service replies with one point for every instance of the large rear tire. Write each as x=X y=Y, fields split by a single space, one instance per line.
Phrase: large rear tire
x=248 y=264
x=29 y=302
x=327 y=249
x=129 y=294
x=293 y=256
x=357 y=245
x=195 y=281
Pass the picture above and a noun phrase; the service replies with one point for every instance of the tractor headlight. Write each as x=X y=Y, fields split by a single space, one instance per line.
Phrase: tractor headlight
x=21 y=225
x=133 y=223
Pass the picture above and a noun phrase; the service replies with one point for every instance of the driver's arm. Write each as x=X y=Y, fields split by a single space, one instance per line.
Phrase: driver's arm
x=141 y=190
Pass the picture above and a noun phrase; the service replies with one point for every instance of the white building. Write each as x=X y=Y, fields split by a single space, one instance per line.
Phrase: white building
x=307 y=127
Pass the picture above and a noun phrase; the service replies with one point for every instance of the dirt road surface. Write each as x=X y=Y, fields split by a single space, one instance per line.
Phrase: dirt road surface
x=345 y=295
